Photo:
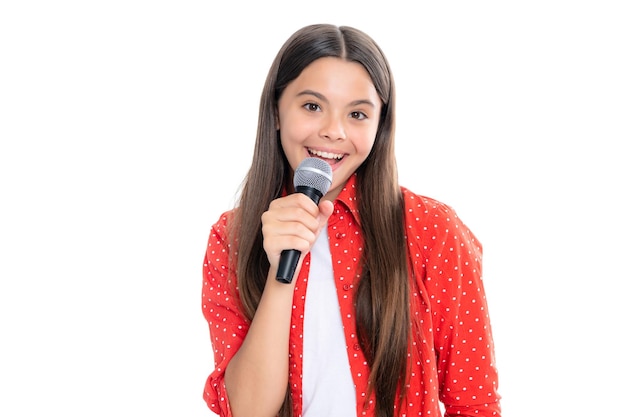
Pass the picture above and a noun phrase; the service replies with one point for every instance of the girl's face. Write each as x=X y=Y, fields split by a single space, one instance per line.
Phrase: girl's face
x=331 y=111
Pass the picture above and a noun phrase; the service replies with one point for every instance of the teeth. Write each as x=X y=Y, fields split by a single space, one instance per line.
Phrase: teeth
x=326 y=155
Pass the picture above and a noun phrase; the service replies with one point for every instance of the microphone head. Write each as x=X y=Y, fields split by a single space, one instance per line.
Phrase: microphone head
x=314 y=173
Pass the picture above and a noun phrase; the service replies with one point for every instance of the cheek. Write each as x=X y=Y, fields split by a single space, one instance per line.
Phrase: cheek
x=287 y=135
x=365 y=142
x=295 y=130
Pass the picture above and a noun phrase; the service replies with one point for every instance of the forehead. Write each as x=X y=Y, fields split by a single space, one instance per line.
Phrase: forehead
x=335 y=77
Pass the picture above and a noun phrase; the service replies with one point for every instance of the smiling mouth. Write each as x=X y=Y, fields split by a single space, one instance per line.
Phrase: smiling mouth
x=335 y=157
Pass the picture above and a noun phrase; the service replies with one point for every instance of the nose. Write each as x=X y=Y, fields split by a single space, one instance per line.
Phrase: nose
x=332 y=128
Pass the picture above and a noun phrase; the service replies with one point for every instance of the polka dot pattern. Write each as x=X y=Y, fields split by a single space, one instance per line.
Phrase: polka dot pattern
x=452 y=359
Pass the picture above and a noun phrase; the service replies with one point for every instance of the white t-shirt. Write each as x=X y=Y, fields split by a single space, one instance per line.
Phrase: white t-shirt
x=327 y=386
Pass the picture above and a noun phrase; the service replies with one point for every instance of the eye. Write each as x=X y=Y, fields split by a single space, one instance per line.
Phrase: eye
x=358 y=115
x=312 y=107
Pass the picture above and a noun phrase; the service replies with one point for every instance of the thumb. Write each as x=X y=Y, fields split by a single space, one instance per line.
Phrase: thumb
x=326 y=208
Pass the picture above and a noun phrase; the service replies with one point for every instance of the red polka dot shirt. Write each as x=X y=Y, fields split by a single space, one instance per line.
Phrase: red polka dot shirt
x=448 y=300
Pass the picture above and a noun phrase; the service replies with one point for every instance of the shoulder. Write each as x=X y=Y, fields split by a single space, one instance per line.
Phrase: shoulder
x=424 y=207
x=220 y=227
x=434 y=223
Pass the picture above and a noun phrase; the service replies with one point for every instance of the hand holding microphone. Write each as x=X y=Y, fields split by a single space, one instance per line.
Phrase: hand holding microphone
x=312 y=178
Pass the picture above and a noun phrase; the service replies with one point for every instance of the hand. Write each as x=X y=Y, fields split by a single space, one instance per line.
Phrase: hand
x=293 y=222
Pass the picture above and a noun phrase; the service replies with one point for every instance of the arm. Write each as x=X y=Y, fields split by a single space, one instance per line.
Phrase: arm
x=257 y=376
x=468 y=379
x=220 y=307
x=256 y=379
x=245 y=352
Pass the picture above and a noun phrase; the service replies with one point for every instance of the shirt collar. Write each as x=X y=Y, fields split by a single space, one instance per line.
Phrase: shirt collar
x=347 y=198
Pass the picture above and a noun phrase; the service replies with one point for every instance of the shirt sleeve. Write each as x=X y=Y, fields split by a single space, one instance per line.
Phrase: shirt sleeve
x=220 y=306
x=463 y=342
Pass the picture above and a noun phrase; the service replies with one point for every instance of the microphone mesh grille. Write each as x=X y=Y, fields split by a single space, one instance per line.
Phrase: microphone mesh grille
x=314 y=173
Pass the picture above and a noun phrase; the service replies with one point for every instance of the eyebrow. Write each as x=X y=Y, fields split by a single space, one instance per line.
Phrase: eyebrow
x=324 y=99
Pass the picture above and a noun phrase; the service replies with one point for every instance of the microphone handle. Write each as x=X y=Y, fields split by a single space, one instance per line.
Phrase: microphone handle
x=289 y=257
x=313 y=193
x=287 y=266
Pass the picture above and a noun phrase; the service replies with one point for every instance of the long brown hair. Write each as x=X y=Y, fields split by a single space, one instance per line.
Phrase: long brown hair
x=382 y=299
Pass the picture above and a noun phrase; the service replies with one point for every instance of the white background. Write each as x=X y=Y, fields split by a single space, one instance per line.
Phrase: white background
x=126 y=128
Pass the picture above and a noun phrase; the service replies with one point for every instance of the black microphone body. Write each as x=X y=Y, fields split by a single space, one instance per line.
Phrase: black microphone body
x=312 y=178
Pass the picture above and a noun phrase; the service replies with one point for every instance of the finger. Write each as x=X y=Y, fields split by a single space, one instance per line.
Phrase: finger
x=297 y=210
x=325 y=209
x=295 y=200
x=295 y=228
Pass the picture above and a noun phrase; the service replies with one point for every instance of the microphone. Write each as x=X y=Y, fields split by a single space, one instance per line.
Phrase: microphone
x=313 y=178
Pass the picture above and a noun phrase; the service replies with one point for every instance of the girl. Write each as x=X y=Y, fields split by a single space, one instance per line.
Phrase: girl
x=387 y=314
